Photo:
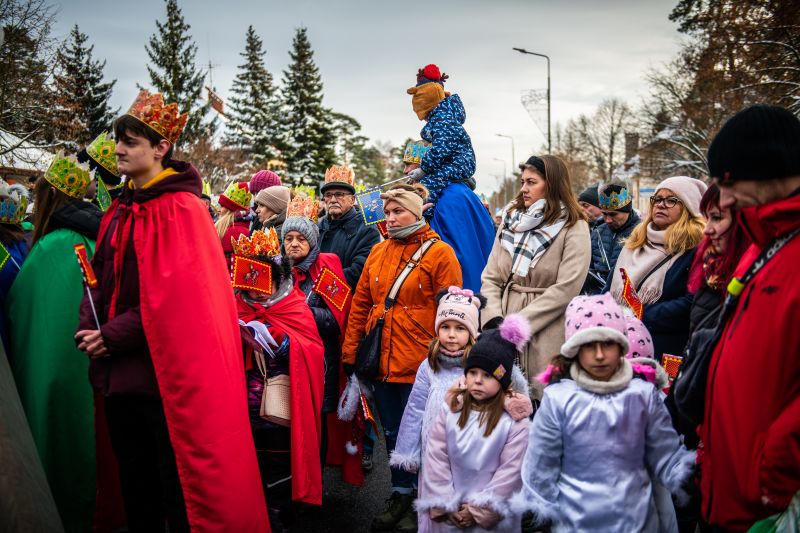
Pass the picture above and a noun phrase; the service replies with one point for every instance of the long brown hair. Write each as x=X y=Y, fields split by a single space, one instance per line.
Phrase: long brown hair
x=559 y=191
x=46 y=201
x=490 y=410
x=435 y=346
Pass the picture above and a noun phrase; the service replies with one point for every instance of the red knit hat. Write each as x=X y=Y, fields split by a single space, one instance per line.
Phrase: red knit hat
x=263 y=179
x=430 y=73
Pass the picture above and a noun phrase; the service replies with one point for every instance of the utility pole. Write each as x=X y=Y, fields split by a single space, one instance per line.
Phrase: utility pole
x=514 y=161
x=549 y=138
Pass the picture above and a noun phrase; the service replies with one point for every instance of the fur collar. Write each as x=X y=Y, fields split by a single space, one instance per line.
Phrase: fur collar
x=619 y=381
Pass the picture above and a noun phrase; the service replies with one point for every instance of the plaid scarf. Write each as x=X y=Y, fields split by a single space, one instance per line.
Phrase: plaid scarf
x=524 y=237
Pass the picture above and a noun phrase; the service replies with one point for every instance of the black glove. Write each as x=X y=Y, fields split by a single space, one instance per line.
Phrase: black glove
x=349 y=369
x=531 y=524
x=493 y=323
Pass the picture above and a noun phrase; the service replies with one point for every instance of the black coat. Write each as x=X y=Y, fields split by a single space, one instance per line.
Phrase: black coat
x=706 y=306
x=668 y=318
x=351 y=240
x=607 y=243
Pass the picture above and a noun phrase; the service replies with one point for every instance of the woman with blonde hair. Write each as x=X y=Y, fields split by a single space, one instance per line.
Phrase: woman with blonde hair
x=539 y=260
x=657 y=257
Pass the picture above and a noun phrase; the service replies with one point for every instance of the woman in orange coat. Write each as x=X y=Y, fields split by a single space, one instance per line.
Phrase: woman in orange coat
x=409 y=323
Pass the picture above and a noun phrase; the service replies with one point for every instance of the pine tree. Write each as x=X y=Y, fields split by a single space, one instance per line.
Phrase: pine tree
x=174 y=74
x=251 y=122
x=81 y=96
x=307 y=140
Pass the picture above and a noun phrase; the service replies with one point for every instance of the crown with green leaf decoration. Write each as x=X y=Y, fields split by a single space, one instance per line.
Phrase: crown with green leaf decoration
x=68 y=175
x=103 y=151
x=237 y=193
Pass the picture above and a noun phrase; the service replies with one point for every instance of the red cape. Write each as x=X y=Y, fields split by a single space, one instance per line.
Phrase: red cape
x=291 y=316
x=189 y=319
x=339 y=432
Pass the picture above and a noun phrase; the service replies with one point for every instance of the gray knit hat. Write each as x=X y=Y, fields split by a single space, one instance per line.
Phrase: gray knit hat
x=305 y=226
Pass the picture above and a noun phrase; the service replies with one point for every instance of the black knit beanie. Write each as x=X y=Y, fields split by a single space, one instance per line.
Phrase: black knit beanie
x=760 y=142
x=590 y=196
x=496 y=349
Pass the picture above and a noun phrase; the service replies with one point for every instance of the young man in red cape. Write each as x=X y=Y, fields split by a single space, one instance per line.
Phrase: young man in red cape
x=280 y=339
x=166 y=358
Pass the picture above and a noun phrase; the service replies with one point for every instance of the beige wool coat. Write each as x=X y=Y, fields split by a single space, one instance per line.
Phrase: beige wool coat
x=541 y=296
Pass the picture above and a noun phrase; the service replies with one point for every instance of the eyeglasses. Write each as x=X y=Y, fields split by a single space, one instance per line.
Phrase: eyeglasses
x=666 y=201
x=338 y=195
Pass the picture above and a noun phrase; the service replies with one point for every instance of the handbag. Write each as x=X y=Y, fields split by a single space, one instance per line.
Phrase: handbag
x=275 y=405
x=368 y=355
x=690 y=384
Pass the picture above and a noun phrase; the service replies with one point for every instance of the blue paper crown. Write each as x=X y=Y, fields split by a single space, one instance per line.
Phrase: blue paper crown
x=615 y=200
x=415 y=151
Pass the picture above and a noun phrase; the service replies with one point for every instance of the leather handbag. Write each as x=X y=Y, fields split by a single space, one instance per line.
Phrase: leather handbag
x=690 y=384
x=368 y=355
x=275 y=403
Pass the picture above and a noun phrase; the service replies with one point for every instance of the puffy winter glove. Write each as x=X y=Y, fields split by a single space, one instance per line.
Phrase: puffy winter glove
x=416 y=174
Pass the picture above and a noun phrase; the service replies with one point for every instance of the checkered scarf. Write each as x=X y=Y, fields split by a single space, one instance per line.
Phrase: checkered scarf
x=524 y=237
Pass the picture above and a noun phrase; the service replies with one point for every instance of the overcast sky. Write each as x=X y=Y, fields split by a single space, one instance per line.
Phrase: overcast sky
x=368 y=52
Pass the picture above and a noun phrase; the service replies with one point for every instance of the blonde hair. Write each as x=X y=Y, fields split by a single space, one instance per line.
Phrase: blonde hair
x=684 y=234
x=436 y=345
x=224 y=222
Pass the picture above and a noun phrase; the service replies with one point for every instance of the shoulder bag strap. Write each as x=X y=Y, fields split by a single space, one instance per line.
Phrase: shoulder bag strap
x=652 y=270
x=401 y=278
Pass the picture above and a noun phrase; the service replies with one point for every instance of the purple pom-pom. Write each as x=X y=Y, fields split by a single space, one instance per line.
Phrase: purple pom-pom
x=516 y=329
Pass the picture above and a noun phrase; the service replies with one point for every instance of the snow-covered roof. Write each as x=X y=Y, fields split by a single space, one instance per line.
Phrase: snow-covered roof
x=24 y=155
x=629 y=169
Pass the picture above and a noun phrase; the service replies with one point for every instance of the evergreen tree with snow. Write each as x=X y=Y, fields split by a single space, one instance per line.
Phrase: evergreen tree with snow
x=306 y=139
x=174 y=74
x=252 y=106
x=81 y=110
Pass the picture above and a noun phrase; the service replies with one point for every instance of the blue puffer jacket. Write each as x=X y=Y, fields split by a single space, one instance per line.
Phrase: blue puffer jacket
x=451 y=157
x=607 y=243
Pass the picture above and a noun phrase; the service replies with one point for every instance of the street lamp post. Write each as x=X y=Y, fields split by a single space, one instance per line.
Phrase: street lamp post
x=513 y=155
x=549 y=138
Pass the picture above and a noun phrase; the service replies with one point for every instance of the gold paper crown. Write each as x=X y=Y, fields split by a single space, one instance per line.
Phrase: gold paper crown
x=261 y=244
x=303 y=207
x=69 y=176
x=342 y=174
x=165 y=120
x=103 y=151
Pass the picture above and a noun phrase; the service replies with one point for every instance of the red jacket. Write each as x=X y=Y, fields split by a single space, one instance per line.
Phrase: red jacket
x=751 y=434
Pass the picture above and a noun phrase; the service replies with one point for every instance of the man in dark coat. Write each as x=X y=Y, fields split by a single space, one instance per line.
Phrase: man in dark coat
x=342 y=231
x=619 y=219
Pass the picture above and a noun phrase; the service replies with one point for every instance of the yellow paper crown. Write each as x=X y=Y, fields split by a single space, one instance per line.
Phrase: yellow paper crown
x=69 y=176
x=260 y=244
x=343 y=174
x=165 y=120
x=303 y=207
x=103 y=151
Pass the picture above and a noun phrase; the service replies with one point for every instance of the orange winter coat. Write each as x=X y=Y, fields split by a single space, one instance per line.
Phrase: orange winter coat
x=409 y=325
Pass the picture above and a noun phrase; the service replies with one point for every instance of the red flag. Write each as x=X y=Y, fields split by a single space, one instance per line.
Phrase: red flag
x=86 y=267
x=332 y=288
x=630 y=296
x=671 y=364
x=382 y=228
x=251 y=275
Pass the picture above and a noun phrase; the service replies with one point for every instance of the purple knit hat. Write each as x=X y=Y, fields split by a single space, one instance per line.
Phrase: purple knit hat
x=641 y=343
x=263 y=179
x=591 y=319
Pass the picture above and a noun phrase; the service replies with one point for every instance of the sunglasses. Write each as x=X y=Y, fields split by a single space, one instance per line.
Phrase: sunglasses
x=666 y=201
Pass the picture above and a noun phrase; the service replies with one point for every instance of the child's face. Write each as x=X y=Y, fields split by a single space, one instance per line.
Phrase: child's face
x=453 y=336
x=481 y=385
x=600 y=359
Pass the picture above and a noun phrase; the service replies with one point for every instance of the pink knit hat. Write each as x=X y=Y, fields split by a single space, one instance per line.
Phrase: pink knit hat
x=591 y=319
x=461 y=305
x=641 y=343
x=263 y=179
x=689 y=190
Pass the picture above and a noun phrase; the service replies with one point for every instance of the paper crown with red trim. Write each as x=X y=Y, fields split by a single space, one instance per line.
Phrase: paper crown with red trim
x=303 y=207
x=165 y=120
x=236 y=197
